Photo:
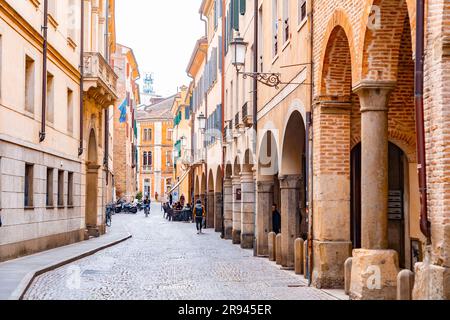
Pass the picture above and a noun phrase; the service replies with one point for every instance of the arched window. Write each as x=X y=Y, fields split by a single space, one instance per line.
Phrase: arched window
x=145 y=158
x=150 y=158
x=149 y=135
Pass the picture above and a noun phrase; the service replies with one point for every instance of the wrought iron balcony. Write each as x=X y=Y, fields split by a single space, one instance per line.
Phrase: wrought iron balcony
x=247 y=118
x=100 y=80
x=147 y=169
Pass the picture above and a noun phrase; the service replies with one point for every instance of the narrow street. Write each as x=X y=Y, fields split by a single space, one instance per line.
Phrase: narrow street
x=169 y=261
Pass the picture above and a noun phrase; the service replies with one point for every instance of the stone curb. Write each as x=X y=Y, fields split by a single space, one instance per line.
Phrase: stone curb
x=26 y=282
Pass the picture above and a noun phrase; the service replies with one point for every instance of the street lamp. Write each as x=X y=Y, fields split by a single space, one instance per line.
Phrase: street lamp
x=202 y=122
x=183 y=141
x=239 y=48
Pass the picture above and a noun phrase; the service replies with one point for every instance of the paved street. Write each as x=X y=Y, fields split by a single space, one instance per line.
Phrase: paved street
x=168 y=260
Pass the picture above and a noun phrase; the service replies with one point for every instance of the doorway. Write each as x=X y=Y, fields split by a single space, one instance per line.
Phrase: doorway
x=396 y=208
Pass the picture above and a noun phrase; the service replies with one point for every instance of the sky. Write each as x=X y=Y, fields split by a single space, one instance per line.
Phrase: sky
x=162 y=34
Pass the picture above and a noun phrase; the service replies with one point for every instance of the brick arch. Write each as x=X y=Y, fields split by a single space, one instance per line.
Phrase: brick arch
x=339 y=20
x=379 y=48
x=406 y=142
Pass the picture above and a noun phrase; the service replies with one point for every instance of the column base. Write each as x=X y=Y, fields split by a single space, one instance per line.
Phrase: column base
x=329 y=260
x=228 y=233
x=236 y=236
x=374 y=275
x=247 y=241
x=432 y=282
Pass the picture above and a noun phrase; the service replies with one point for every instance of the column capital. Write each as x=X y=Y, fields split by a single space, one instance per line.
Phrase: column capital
x=374 y=95
x=247 y=176
x=265 y=186
x=227 y=183
x=290 y=181
x=333 y=105
x=236 y=180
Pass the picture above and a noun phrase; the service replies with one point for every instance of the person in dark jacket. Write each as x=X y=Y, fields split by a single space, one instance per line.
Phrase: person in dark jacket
x=199 y=215
x=276 y=219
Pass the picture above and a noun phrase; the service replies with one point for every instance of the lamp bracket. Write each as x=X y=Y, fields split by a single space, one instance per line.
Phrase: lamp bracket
x=268 y=79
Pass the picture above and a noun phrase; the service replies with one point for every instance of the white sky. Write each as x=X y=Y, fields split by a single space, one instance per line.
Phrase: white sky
x=162 y=34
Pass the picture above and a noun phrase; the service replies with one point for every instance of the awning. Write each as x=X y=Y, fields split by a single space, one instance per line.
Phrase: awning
x=181 y=180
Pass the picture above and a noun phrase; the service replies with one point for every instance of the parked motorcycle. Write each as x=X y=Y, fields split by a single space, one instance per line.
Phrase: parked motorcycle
x=119 y=206
x=130 y=208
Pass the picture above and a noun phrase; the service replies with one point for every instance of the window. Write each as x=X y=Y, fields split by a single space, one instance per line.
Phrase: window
x=50 y=98
x=28 y=186
x=301 y=11
x=149 y=134
x=49 y=191
x=275 y=27
x=69 y=110
x=29 y=84
x=286 y=20
x=52 y=8
x=60 y=188
x=70 y=189
x=71 y=21
x=169 y=134
x=145 y=159
x=150 y=158
x=169 y=158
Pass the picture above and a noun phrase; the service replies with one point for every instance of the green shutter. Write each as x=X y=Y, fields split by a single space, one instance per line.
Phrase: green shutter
x=235 y=10
x=243 y=7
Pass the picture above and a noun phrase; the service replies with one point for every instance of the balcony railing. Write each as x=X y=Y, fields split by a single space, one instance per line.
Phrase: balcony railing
x=147 y=169
x=237 y=120
x=247 y=118
x=199 y=155
x=99 y=78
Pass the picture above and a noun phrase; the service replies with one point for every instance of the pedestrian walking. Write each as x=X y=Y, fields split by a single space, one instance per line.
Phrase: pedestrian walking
x=276 y=219
x=199 y=214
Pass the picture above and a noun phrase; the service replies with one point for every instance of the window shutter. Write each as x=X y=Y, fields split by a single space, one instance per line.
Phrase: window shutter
x=243 y=6
x=235 y=10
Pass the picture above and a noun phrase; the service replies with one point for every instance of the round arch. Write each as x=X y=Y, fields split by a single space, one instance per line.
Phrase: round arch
x=268 y=159
x=338 y=20
x=292 y=149
x=383 y=21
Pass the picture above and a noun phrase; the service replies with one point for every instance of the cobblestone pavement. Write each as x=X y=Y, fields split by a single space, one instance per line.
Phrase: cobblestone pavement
x=169 y=261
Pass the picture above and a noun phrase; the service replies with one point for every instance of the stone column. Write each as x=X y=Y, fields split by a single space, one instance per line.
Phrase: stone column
x=374 y=259
x=331 y=194
x=218 y=202
x=210 y=211
x=236 y=233
x=248 y=210
x=264 y=216
x=228 y=208
x=374 y=164
x=290 y=217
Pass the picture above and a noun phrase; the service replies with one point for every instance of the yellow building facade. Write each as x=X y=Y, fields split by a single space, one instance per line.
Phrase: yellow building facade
x=155 y=147
x=182 y=151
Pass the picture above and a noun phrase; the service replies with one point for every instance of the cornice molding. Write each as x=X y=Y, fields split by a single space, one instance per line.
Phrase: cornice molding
x=20 y=25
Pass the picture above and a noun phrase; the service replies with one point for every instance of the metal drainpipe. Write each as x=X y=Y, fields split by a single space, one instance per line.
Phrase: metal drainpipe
x=80 y=148
x=425 y=226
x=44 y=74
x=310 y=148
x=255 y=109
x=222 y=10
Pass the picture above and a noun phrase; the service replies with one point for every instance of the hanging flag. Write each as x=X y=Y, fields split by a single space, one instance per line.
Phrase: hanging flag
x=123 y=111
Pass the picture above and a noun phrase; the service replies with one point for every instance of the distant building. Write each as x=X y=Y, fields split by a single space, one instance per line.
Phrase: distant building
x=125 y=135
x=155 y=146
